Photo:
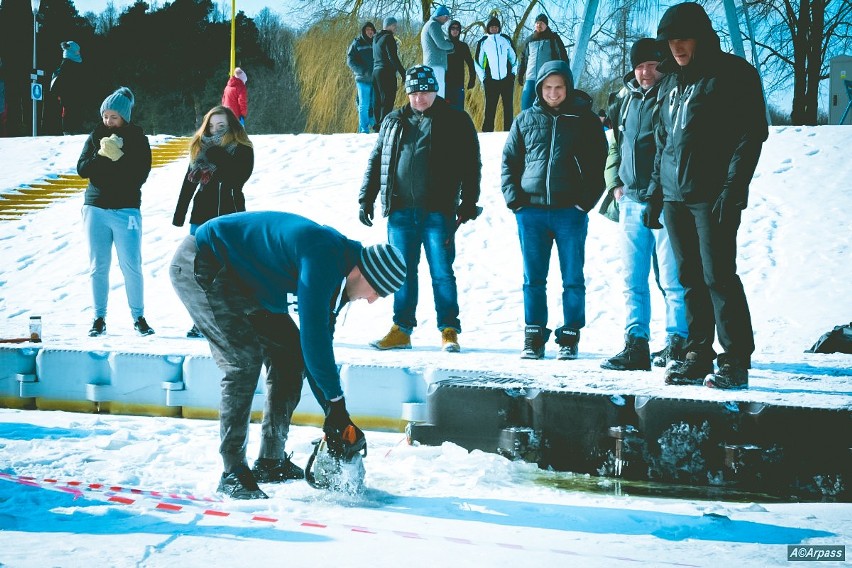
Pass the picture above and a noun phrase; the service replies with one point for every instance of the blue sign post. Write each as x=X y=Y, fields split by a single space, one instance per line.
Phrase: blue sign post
x=36 y=91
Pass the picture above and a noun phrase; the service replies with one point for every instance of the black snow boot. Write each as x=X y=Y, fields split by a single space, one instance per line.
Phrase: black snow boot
x=240 y=484
x=194 y=333
x=142 y=326
x=732 y=374
x=690 y=371
x=673 y=351
x=276 y=471
x=98 y=327
x=568 y=341
x=636 y=356
x=535 y=336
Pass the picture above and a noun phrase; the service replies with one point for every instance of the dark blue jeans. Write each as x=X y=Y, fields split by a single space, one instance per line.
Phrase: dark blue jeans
x=538 y=229
x=409 y=230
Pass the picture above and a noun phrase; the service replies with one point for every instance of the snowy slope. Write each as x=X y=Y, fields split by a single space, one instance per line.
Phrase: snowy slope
x=794 y=261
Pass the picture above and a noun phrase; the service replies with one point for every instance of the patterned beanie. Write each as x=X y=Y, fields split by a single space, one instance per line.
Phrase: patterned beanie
x=384 y=268
x=121 y=101
x=420 y=79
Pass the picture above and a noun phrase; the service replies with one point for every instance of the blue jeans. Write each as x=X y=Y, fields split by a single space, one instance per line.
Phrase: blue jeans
x=122 y=228
x=365 y=106
x=455 y=97
x=408 y=230
x=528 y=95
x=538 y=229
x=637 y=247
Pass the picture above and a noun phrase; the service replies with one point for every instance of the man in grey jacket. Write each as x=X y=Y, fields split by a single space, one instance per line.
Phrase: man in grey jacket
x=542 y=46
x=632 y=155
x=436 y=46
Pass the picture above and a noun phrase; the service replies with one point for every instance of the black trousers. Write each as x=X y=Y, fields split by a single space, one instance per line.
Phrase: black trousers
x=494 y=90
x=384 y=94
x=706 y=255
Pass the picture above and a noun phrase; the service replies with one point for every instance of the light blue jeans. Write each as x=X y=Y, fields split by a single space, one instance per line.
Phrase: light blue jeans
x=637 y=247
x=365 y=107
x=528 y=95
x=122 y=228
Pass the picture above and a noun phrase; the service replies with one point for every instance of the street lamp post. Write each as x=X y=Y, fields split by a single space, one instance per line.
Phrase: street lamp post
x=35 y=4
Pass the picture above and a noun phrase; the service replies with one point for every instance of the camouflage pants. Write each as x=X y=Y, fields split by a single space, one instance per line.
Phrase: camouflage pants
x=243 y=338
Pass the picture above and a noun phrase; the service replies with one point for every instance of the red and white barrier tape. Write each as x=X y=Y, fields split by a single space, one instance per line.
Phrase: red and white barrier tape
x=116 y=494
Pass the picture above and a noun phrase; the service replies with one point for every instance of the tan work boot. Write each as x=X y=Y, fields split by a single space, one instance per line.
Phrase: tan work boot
x=395 y=339
x=450 y=340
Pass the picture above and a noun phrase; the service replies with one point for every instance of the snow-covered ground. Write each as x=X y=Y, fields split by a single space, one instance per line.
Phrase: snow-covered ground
x=424 y=506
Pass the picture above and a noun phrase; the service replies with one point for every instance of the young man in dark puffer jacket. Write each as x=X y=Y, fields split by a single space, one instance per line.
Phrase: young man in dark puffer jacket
x=553 y=174
x=711 y=130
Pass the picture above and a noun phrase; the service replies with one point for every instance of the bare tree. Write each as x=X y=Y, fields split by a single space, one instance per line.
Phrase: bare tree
x=799 y=37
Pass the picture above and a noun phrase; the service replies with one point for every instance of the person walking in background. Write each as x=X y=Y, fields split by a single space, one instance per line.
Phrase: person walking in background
x=386 y=65
x=116 y=160
x=426 y=158
x=456 y=62
x=711 y=130
x=436 y=47
x=221 y=159
x=542 y=46
x=237 y=277
x=359 y=58
x=630 y=163
x=235 y=96
x=68 y=84
x=495 y=62
x=552 y=175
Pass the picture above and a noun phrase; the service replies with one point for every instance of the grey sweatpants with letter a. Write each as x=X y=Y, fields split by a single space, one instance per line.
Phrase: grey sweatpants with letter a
x=243 y=337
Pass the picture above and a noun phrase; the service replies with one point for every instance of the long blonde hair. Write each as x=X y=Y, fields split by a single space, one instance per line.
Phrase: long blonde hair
x=236 y=132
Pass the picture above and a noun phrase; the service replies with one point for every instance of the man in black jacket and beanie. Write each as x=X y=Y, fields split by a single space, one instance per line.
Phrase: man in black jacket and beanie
x=427 y=166
x=711 y=130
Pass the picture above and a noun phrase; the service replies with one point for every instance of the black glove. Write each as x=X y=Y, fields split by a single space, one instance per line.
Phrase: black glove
x=467 y=212
x=725 y=208
x=177 y=221
x=344 y=439
x=471 y=84
x=651 y=215
x=366 y=214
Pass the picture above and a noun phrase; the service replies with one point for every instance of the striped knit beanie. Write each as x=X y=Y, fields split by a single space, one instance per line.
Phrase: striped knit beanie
x=384 y=268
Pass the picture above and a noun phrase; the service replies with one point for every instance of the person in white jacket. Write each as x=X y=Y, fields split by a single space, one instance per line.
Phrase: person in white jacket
x=436 y=46
x=496 y=65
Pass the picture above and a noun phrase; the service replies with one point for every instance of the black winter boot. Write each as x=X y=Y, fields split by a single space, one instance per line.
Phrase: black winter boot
x=98 y=327
x=690 y=371
x=732 y=374
x=535 y=336
x=673 y=351
x=276 y=471
x=240 y=484
x=636 y=356
x=568 y=340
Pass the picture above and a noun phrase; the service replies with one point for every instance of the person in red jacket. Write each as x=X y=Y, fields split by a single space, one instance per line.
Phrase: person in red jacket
x=235 y=96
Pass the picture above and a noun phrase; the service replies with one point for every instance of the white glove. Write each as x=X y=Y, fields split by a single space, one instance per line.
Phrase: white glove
x=111 y=147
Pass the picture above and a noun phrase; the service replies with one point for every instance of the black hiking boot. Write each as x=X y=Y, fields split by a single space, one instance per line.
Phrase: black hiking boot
x=98 y=327
x=568 y=341
x=635 y=356
x=194 y=333
x=673 y=351
x=276 y=471
x=142 y=326
x=240 y=484
x=732 y=374
x=535 y=336
x=690 y=371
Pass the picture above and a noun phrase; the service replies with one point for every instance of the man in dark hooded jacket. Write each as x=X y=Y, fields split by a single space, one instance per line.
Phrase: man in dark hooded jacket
x=386 y=65
x=359 y=58
x=553 y=174
x=711 y=130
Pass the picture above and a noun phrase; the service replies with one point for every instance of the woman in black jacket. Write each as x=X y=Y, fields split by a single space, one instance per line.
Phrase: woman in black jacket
x=221 y=158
